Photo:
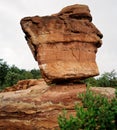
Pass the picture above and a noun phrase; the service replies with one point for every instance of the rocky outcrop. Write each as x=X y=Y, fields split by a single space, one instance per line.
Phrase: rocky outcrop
x=38 y=106
x=109 y=92
x=64 y=44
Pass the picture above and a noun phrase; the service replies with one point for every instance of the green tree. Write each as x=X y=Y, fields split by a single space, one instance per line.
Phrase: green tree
x=14 y=69
x=36 y=73
x=26 y=74
x=108 y=79
x=91 y=82
x=3 y=71
x=11 y=78
x=11 y=75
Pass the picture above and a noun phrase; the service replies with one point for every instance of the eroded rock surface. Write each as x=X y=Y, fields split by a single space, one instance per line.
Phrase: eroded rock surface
x=38 y=106
x=64 y=44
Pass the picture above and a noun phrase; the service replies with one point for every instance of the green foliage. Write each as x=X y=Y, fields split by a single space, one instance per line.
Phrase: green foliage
x=3 y=71
x=11 y=75
x=96 y=113
x=91 y=82
x=108 y=79
x=36 y=74
x=11 y=78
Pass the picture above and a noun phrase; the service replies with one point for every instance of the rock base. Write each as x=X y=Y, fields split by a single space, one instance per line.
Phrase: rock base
x=37 y=107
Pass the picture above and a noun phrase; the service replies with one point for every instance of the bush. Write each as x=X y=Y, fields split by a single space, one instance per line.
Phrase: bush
x=107 y=79
x=96 y=113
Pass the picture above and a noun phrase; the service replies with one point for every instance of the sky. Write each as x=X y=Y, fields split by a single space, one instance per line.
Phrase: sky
x=13 y=46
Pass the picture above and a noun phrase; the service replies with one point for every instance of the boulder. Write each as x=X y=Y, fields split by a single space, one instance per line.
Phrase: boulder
x=64 y=44
x=109 y=92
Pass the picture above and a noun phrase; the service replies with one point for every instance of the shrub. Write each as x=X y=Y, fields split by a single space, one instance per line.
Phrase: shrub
x=96 y=113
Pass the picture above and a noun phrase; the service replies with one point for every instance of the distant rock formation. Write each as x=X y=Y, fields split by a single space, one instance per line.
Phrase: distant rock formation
x=64 y=44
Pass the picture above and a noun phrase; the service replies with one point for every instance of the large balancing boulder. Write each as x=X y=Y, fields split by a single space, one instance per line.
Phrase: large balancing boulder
x=64 y=44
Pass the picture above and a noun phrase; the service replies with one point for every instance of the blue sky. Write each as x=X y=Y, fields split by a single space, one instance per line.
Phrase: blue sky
x=14 y=48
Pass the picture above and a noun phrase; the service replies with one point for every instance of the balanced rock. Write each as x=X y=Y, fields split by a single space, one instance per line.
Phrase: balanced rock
x=64 y=44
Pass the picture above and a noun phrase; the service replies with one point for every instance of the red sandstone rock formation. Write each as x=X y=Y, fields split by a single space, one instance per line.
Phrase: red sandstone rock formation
x=38 y=105
x=64 y=44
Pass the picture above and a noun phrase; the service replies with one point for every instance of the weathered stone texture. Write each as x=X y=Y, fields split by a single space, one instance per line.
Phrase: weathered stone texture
x=64 y=44
x=38 y=106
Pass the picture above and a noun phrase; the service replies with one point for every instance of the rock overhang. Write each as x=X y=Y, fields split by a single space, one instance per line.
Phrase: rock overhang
x=64 y=44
